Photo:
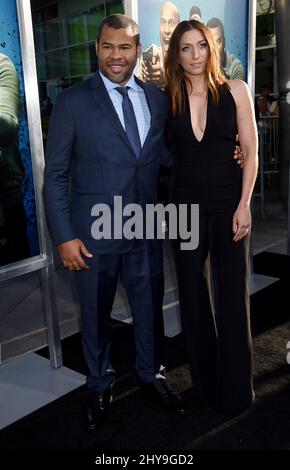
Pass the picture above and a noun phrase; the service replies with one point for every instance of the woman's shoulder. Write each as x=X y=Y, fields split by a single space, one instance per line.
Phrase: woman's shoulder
x=239 y=89
x=238 y=86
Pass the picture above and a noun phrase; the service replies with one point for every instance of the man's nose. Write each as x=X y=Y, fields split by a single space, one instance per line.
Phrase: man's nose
x=167 y=30
x=116 y=53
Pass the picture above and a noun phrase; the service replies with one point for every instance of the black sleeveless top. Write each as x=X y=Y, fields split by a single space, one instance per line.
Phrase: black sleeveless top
x=205 y=172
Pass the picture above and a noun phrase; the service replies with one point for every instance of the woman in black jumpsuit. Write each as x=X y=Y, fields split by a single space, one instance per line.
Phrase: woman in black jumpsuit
x=207 y=113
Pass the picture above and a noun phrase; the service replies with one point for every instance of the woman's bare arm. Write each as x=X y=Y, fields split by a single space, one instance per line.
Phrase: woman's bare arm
x=248 y=137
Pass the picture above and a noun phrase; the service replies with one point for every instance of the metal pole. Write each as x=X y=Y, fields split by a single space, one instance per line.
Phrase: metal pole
x=262 y=170
x=35 y=132
x=288 y=237
x=251 y=78
x=282 y=21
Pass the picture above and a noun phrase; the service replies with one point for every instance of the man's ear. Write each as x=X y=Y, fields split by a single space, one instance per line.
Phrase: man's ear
x=97 y=48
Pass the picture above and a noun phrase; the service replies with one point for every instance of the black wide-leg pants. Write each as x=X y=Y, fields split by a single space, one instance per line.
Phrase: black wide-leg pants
x=218 y=343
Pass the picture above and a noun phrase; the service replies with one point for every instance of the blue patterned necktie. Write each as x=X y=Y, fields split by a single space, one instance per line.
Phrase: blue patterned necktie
x=130 y=121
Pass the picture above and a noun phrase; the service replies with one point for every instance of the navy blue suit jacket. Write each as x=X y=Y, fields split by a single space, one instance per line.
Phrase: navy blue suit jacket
x=88 y=148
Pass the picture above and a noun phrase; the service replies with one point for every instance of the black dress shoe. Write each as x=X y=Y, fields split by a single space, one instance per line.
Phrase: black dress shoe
x=160 y=391
x=98 y=408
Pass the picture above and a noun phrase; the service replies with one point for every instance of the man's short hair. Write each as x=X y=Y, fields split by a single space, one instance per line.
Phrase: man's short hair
x=216 y=23
x=119 y=21
x=195 y=10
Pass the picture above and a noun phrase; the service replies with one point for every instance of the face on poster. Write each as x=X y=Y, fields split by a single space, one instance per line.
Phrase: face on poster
x=227 y=19
x=18 y=226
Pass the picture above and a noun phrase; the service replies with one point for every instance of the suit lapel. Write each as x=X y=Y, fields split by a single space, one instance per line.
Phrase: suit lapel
x=103 y=100
x=153 y=111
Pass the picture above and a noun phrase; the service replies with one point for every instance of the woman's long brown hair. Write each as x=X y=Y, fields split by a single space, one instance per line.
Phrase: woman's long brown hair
x=175 y=80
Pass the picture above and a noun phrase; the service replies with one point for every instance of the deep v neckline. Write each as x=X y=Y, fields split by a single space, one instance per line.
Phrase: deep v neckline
x=206 y=118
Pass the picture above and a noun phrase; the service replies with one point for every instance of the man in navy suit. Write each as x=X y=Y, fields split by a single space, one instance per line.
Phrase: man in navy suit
x=107 y=136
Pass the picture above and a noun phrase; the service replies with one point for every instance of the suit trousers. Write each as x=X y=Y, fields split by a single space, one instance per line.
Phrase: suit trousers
x=141 y=273
x=217 y=340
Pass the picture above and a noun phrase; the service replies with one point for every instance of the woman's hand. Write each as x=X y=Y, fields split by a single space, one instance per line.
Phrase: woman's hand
x=242 y=222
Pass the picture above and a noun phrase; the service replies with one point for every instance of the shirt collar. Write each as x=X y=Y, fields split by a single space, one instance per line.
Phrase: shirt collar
x=111 y=85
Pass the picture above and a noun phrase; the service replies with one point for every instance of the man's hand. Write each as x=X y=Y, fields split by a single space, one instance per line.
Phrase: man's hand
x=151 y=69
x=152 y=74
x=71 y=255
x=238 y=156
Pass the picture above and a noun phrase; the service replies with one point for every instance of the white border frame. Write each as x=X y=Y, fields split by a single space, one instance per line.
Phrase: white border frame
x=44 y=261
x=251 y=72
x=131 y=9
